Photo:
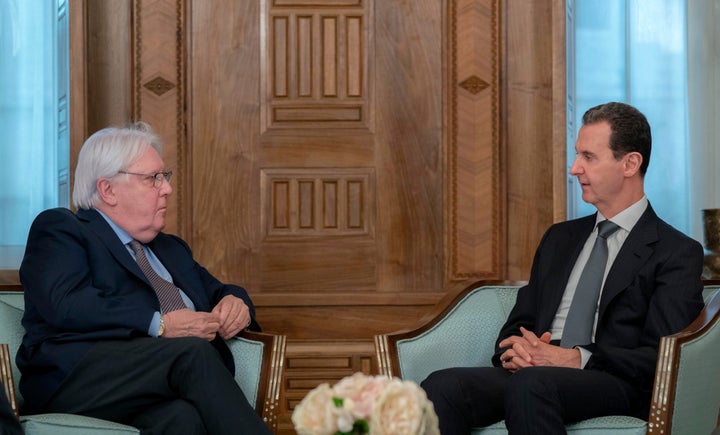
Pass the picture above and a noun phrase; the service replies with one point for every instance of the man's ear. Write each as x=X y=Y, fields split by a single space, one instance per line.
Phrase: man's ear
x=633 y=161
x=106 y=191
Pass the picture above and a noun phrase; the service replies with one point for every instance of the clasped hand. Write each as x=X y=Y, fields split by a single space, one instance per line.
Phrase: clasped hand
x=530 y=350
x=228 y=318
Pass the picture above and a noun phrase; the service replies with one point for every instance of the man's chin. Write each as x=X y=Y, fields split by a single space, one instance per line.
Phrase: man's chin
x=587 y=197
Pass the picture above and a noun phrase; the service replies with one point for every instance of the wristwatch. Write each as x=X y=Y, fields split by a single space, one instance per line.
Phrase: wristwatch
x=161 y=328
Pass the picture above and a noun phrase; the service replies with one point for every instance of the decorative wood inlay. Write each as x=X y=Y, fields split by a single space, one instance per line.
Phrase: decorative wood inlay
x=317 y=202
x=317 y=3
x=319 y=64
x=474 y=84
x=159 y=85
x=475 y=185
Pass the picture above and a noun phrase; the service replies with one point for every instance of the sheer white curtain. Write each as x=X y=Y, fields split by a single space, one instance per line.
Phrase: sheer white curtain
x=28 y=119
x=634 y=51
x=704 y=107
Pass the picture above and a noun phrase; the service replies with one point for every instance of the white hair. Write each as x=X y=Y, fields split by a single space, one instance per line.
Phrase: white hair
x=107 y=152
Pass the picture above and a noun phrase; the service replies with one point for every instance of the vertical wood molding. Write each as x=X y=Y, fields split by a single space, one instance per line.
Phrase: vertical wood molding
x=78 y=82
x=559 y=117
x=159 y=83
x=475 y=187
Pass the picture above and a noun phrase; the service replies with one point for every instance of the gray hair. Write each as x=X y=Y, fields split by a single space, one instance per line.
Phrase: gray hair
x=107 y=152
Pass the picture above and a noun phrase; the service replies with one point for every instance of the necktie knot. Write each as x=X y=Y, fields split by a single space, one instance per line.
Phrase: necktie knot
x=607 y=228
x=136 y=246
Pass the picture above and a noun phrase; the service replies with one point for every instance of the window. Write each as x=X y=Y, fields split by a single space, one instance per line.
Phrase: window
x=34 y=145
x=635 y=52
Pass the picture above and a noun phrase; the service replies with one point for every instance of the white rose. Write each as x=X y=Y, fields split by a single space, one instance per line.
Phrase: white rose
x=401 y=409
x=315 y=415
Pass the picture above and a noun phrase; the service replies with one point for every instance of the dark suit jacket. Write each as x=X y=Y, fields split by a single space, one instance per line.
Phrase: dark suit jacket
x=82 y=286
x=654 y=288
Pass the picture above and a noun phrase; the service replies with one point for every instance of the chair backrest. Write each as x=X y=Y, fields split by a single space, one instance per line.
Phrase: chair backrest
x=445 y=342
x=688 y=368
x=12 y=305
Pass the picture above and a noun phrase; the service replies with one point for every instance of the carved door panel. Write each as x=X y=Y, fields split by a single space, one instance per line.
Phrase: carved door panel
x=342 y=156
x=317 y=127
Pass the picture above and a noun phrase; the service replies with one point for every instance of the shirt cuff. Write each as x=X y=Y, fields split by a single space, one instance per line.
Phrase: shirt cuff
x=584 y=356
x=154 y=325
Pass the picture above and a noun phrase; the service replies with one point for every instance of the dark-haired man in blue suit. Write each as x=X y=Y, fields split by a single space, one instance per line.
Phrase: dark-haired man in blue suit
x=545 y=374
x=121 y=322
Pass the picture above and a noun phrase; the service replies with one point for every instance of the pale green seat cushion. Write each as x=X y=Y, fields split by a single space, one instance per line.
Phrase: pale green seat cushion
x=616 y=424
x=68 y=424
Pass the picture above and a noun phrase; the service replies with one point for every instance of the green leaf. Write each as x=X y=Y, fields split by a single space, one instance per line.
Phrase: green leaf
x=338 y=401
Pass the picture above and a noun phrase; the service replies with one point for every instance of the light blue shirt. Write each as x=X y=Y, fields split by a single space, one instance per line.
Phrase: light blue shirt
x=155 y=263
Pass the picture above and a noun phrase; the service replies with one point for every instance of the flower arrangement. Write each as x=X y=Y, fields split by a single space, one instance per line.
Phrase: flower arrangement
x=361 y=404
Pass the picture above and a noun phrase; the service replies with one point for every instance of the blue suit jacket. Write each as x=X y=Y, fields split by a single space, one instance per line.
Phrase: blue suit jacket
x=82 y=286
x=654 y=288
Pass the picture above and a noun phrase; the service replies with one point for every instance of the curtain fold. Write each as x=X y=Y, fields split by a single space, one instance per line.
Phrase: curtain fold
x=703 y=108
x=28 y=119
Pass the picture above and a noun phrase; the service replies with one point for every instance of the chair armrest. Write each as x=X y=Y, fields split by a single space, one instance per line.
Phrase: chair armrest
x=6 y=376
x=686 y=393
x=259 y=370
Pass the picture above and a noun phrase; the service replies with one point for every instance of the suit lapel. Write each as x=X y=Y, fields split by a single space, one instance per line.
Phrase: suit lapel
x=100 y=227
x=633 y=254
x=574 y=240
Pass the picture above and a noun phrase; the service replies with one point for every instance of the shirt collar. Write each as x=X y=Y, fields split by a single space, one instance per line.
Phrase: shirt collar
x=121 y=233
x=627 y=218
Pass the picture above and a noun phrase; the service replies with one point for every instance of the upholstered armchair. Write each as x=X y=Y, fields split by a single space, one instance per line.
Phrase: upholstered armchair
x=258 y=362
x=686 y=394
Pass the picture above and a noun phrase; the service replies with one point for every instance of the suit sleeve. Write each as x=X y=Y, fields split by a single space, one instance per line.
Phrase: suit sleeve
x=212 y=290
x=60 y=290
x=524 y=312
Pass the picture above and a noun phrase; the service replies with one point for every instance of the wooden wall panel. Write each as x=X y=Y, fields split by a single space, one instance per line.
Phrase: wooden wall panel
x=158 y=89
x=536 y=169
x=351 y=162
x=531 y=138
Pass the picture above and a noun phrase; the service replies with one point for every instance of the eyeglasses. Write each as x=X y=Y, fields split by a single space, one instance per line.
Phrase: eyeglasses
x=157 y=178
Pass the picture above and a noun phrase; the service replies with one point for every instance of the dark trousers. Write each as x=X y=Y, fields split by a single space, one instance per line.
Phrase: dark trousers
x=534 y=400
x=9 y=424
x=159 y=385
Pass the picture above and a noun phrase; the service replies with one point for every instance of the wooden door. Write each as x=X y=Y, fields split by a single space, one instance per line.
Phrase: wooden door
x=325 y=172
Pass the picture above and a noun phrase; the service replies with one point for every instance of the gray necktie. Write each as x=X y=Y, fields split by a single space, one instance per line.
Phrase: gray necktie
x=167 y=293
x=581 y=316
